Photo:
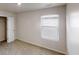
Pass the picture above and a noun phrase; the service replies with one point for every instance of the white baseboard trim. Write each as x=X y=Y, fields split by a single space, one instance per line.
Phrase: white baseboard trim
x=43 y=47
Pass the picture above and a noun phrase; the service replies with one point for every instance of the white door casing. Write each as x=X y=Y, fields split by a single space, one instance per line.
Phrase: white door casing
x=10 y=29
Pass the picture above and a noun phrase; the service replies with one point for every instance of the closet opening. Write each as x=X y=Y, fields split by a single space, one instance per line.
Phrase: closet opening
x=3 y=29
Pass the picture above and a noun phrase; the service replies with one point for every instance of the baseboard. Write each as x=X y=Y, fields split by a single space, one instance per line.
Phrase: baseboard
x=3 y=41
x=63 y=53
x=11 y=41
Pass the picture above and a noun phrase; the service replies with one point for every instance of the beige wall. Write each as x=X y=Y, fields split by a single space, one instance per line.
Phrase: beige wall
x=28 y=28
x=73 y=28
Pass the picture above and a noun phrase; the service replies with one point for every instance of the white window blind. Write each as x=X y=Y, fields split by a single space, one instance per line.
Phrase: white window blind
x=49 y=27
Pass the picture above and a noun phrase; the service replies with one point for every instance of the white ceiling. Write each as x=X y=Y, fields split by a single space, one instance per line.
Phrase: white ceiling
x=13 y=7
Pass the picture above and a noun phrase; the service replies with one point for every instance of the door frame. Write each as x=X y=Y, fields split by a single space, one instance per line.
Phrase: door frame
x=5 y=27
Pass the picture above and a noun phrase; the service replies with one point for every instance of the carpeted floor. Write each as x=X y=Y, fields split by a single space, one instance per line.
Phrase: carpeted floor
x=21 y=48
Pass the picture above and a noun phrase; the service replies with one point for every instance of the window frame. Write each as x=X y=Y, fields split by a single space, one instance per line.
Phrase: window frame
x=57 y=27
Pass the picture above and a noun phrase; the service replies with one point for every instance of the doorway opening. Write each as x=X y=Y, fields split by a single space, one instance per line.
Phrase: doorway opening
x=3 y=29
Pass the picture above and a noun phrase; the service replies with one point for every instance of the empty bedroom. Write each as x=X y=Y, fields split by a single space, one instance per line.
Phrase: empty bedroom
x=39 y=29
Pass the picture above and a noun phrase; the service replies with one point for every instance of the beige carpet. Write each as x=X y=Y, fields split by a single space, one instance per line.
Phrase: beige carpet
x=21 y=48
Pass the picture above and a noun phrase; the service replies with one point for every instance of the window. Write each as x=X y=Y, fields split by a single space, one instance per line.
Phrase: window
x=49 y=27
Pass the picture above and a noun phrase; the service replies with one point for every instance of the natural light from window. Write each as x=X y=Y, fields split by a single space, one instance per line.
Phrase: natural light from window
x=50 y=27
